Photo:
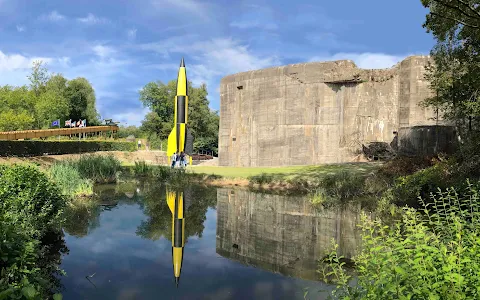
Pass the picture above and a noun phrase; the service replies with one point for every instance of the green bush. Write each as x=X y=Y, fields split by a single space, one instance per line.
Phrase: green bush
x=30 y=214
x=432 y=254
x=407 y=189
x=38 y=148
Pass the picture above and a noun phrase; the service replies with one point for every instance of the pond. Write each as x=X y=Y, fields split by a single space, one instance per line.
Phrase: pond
x=236 y=244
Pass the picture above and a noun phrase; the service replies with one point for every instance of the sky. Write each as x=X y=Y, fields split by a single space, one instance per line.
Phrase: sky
x=121 y=45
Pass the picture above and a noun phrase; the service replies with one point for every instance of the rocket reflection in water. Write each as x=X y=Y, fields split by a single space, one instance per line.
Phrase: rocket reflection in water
x=175 y=203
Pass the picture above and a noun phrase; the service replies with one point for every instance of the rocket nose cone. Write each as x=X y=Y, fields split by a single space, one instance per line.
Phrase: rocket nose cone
x=177 y=279
x=182 y=63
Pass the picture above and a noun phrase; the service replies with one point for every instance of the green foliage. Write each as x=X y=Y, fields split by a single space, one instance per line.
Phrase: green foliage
x=69 y=180
x=81 y=97
x=30 y=215
x=51 y=106
x=141 y=168
x=456 y=63
x=11 y=120
x=124 y=132
x=203 y=122
x=48 y=98
x=261 y=179
x=98 y=168
x=343 y=185
x=429 y=255
x=38 y=148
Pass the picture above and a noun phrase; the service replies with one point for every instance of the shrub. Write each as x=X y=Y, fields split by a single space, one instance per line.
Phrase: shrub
x=433 y=255
x=407 y=189
x=28 y=194
x=30 y=214
x=38 y=148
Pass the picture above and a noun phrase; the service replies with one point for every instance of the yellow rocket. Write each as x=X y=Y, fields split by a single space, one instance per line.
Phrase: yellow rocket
x=177 y=140
x=175 y=204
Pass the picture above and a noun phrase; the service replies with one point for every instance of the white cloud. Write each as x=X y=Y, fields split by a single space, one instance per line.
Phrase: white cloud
x=132 y=33
x=365 y=60
x=64 y=61
x=103 y=51
x=15 y=62
x=216 y=57
x=53 y=16
x=20 y=28
x=213 y=59
x=91 y=19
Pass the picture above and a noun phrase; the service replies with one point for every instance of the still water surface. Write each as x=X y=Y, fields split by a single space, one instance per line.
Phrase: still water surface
x=238 y=245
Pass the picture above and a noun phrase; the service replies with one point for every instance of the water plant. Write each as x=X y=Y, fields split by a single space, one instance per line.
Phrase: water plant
x=69 y=180
x=98 y=168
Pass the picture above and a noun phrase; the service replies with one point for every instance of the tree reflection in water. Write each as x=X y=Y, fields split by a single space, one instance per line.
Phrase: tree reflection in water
x=83 y=218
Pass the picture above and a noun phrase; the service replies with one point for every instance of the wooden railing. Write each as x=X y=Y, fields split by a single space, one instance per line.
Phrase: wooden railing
x=41 y=133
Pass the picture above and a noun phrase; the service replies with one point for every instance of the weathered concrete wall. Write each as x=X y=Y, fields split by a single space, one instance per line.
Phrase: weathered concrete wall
x=426 y=140
x=281 y=234
x=319 y=112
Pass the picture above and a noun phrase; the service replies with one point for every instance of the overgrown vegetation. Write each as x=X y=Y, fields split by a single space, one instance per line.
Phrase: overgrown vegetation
x=431 y=254
x=98 y=168
x=30 y=233
x=69 y=180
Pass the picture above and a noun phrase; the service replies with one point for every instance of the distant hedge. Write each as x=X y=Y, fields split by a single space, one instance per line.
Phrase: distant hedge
x=38 y=148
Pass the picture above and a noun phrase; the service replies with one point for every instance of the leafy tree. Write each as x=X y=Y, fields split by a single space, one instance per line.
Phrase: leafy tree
x=203 y=122
x=81 y=97
x=455 y=24
x=51 y=106
x=39 y=77
x=11 y=120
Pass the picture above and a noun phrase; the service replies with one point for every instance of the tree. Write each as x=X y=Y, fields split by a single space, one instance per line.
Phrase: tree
x=453 y=75
x=39 y=77
x=81 y=98
x=202 y=121
x=51 y=105
x=11 y=120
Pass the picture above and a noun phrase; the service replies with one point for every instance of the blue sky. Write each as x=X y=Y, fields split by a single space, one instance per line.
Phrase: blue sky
x=121 y=45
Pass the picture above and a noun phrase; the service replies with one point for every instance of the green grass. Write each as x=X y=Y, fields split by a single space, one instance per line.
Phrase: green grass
x=69 y=180
x=290 y=172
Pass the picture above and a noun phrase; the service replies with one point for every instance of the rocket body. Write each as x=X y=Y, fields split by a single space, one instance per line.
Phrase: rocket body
x=177 y=139
x=176 y=204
